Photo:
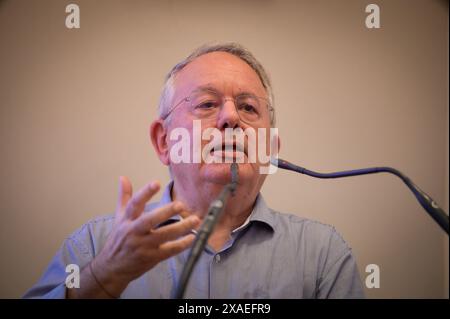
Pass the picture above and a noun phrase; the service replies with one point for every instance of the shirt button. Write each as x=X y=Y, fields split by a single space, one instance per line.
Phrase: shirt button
x=217 y=258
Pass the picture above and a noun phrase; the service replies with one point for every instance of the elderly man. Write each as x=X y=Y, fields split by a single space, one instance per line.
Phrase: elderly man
x=253 y=252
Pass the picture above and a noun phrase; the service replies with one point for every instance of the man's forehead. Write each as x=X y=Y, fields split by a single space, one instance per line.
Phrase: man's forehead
x=221 y=71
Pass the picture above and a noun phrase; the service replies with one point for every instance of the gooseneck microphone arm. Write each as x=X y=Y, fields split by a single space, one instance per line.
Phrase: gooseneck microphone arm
x=214 y=212
x=424 y=199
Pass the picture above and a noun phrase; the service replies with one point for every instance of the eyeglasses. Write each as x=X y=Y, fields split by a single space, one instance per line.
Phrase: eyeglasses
x=206 y=104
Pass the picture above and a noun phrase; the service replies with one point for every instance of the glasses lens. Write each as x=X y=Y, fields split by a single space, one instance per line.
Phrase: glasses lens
x=206 y=104
x=249 y=107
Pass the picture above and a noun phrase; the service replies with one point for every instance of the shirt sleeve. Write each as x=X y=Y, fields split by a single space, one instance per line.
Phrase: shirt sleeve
x=340 y=276
x=52 y=284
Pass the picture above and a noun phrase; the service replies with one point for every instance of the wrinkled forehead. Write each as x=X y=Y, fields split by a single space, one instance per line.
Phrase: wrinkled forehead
x=222 y=71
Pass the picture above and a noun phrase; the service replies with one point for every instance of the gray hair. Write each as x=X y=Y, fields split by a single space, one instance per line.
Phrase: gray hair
x=232 y=48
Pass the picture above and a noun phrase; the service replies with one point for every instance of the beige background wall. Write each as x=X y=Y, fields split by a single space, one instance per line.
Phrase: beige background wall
x=75 y=106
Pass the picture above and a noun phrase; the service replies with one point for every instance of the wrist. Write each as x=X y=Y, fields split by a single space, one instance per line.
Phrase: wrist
x=111 y=284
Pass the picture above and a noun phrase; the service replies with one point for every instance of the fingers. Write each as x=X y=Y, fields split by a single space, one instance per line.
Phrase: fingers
x=175 y=247
x=173 y=231
x=136 y=204
x=149 y=221
x=125 y=193
x=185 y=214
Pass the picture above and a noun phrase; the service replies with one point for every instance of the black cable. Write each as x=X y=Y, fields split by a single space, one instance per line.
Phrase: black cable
x=424 y=199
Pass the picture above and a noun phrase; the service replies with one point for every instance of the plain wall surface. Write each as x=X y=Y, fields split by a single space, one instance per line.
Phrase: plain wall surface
x=75 y=107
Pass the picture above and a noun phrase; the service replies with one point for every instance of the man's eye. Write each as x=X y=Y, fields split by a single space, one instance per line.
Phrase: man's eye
x=206 y=105
x=248 y=108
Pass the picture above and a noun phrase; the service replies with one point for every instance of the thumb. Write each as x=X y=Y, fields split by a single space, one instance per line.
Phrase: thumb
x=125 y=193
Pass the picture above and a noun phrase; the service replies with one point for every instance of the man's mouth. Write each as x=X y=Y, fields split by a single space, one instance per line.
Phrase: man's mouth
x=231 y=151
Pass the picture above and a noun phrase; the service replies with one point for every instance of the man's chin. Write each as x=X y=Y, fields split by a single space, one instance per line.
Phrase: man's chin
x=221 y=172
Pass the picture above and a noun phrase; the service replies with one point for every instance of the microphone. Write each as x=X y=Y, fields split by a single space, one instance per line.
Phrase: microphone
x=424 y=199
x=234 y=177
x=214 y=212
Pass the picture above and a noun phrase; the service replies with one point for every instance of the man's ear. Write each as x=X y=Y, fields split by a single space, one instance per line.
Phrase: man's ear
x=158 y=135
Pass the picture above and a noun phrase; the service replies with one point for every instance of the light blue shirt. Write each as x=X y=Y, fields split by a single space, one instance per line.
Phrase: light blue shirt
x=272 y=255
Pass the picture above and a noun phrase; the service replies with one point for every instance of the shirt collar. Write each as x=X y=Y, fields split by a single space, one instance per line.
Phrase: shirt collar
x=261 y=213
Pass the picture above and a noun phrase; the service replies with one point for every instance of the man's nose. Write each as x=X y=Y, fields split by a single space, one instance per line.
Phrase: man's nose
x=228 y=115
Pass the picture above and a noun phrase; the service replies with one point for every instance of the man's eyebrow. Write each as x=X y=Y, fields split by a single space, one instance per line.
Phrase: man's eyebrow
x=209 y=87
x=206 y=87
